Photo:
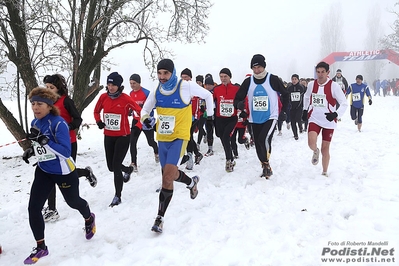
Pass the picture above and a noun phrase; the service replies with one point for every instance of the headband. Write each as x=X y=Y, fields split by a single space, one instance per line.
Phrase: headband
x=37 y=98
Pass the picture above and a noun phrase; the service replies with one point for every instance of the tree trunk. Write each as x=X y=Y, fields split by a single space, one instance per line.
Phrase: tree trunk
x=13 y=126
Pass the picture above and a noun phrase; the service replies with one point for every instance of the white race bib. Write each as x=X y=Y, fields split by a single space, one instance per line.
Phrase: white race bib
x=356 y=97
x=260 y=103
x=42 y=153
x=166 y=124
x=319 y=100
x=226 y=109
x=112 y=121
x=295 y=96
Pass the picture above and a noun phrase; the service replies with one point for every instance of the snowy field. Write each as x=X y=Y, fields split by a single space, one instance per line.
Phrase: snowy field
x=237 y=218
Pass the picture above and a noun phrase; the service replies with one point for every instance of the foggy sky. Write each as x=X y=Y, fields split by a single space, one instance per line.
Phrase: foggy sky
x=286 y=32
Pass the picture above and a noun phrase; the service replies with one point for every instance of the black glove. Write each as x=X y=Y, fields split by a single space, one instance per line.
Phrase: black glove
x=243 y=114
x=331 y=116
x=27 y=154
x=35 y=135
x=202 y=109
x=134 y=122
x=147 y=122
x=245 y=122
x=282 y=116
x=100 y=124
x=305 y=115
x=241 y=105
x=370 y=101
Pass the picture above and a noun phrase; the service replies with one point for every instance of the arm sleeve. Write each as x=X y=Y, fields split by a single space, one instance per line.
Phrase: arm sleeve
x=196 y=90
x=278 y=86
x=306 y=96
x=74 y=113
x=340 y=97
x=148 y=106
x=97 y=109
x=242 y=92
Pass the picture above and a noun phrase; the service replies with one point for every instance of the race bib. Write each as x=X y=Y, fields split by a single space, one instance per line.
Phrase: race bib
x=42 y=153
x=226 y=109
x=260 y=103
x=356 y=97
x=319 y=100
x=166 y=124
x=112 y=121
x=295 y=96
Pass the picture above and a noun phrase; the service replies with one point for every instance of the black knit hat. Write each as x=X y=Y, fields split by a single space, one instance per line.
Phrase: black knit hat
x=209 y=80
x=226 y=71
x=359 y=77
x=258 y=60
x=115 y=79
x=166 y=64
x=136 y=77
x=199 y=78
x=187 y=72
x=295 y=76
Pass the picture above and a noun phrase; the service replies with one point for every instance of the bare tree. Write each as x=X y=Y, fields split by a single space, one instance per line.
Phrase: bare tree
x=373 y=69
x=76 y=36
x=332 y=39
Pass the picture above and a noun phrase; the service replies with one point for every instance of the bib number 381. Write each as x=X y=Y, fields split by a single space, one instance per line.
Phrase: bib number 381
x=319 y=100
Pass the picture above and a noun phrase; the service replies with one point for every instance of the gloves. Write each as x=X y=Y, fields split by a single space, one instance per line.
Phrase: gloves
x=331 y=116
x=27 y=154
x=243 y=114
x=245 y=122
x=305 y=115
x=100 y=124
x=282 y=116
x=241 y=105
x=370 y=101
x=148 y=123
x=134 y=122
x=202 y=109
x=35 y=135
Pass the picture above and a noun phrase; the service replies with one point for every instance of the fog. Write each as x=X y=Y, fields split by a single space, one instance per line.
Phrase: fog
x=286 y=32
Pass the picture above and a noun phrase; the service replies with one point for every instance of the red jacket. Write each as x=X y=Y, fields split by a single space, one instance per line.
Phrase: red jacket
x=139 y=97
x=70 y=114
x=224 y=98
x=115 y=113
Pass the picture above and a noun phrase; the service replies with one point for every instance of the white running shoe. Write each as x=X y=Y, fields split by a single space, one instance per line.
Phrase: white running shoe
x=315 y=157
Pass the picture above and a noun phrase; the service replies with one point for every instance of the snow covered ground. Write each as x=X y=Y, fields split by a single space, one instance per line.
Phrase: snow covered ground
x=237 y=218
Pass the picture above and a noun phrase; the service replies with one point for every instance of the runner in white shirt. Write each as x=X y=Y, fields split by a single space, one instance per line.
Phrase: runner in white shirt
x=320 y=107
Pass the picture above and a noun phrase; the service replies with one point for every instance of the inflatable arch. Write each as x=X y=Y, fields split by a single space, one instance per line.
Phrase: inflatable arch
x=388 y=54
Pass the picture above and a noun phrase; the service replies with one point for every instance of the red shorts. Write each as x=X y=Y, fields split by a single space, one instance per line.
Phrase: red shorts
x=327 y=133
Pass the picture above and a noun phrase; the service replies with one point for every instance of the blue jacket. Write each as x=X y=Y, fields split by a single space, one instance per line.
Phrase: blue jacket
x=55 y=156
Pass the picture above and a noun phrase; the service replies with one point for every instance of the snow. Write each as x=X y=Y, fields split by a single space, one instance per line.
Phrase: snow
x=237 y=218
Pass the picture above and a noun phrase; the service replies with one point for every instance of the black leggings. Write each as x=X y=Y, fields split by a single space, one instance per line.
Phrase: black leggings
x=134 y=137
x=192 y=145
x=209 y=126
x=201 y=130
x=41 y=187
x=357 y=113
x=296 y=119
x=80 y=171
x=241 y=139
x=225 y=128
x=115 y=152
x=263 y=134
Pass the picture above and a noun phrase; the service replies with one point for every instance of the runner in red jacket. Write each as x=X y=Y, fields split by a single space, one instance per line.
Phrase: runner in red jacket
x=116 y=106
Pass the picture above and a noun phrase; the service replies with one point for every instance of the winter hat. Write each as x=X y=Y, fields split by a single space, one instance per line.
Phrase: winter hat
x=187 y=72
x=209 y=80
x=258 y=60
x=295 y=76
x=199 y=78
x=226 y=71
x=136 y=77
x=166 y=64
x=359 y=77
x=115 y=79
x=339 y=70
